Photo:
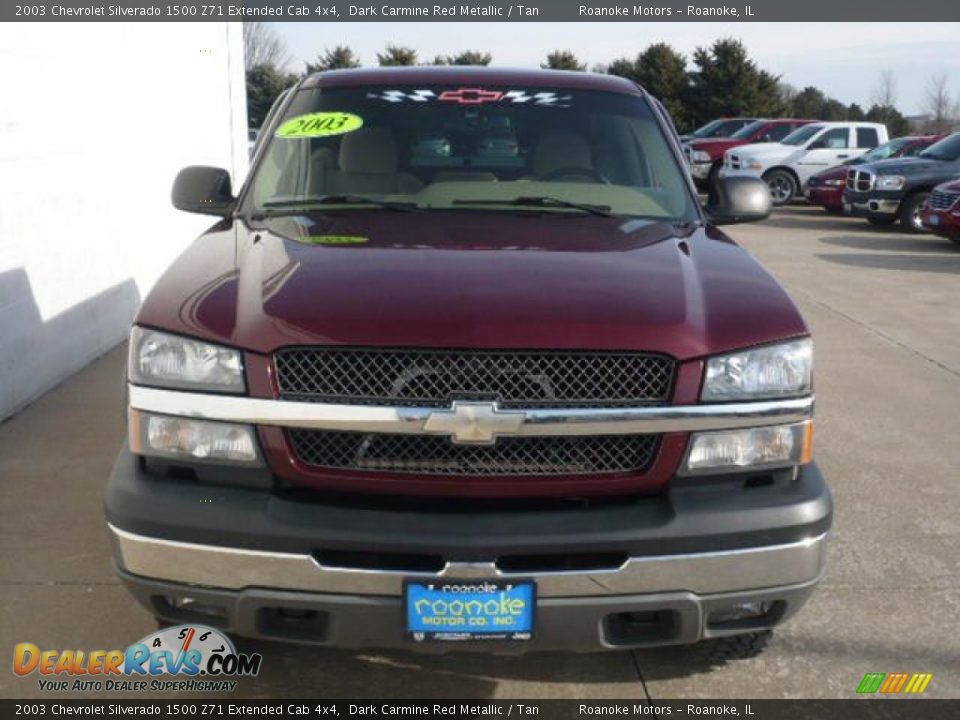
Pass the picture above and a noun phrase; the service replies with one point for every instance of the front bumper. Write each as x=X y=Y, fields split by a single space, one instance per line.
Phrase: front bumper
x=260 y=564
x=878 y=204
x=825 y=196
x=945 y=223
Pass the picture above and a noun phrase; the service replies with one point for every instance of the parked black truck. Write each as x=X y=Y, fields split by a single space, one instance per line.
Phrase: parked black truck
x=891 y=190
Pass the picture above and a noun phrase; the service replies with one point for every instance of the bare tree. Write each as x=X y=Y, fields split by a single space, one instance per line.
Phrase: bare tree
x=941 y=106
x=885 y=91
x=262 y=46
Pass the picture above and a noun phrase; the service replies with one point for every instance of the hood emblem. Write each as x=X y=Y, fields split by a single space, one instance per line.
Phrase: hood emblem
x=474 y=423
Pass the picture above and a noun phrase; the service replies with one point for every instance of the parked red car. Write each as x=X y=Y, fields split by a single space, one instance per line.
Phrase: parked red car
x=941 y=214
x=826 y=188
x=706 y=155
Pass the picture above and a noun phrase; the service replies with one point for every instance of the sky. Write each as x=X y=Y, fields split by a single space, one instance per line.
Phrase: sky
x=843 y=59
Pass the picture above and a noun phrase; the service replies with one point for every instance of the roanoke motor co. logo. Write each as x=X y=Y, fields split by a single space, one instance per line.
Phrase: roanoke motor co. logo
x=894 y=683
x=199 y=657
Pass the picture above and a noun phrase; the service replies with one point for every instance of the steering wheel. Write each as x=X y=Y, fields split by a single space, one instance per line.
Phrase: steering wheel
x=581 y=172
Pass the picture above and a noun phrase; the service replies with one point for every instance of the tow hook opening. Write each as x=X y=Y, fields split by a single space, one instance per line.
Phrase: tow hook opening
x=641 y=628
x=293 y=623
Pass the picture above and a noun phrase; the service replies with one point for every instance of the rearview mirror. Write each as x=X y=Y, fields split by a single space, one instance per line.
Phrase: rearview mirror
x=739 y=200
x=204 y=190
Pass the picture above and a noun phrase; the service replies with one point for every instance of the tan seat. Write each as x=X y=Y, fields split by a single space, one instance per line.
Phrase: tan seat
x=558 y=150
x=368 y=164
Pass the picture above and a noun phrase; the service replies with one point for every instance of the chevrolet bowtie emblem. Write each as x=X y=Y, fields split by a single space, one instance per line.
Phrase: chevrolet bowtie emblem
x=474 y=423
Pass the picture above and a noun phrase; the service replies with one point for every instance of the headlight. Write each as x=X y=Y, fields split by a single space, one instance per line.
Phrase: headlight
x=771 y=371
x=751 y=449
x=890 y=182
x=194 y=440
x=163 y=360
x=835 y=183
x=701 y=157
x=751 y=164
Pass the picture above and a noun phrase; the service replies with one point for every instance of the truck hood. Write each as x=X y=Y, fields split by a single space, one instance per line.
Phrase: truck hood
x=476 y=280
x=768 y=152
x=904 y=166
x=715 y=147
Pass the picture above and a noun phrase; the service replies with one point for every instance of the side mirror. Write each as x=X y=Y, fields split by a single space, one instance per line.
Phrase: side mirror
x=818 y=145
x=204 y=190
x=739 y=200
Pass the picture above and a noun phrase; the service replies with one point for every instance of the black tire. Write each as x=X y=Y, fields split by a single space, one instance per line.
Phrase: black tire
x=880 y=221
x=909 y=213
x=712 y=179
x=783 y=186
x=734 y=647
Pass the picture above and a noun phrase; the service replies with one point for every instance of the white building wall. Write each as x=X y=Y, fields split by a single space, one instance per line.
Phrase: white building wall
x=95 y=121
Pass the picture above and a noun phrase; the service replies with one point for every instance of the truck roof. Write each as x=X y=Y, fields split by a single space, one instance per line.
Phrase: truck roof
x=419 y=75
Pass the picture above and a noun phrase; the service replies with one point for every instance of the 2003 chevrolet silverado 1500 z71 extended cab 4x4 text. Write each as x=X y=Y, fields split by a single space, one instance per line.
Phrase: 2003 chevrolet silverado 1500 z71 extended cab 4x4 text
x=466 y=365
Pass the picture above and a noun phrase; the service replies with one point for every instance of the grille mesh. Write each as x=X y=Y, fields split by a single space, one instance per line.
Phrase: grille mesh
x=943 y=200
x=434 y=378
x=436 y=455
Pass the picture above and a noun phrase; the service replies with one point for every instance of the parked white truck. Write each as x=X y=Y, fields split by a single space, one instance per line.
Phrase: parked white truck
x=787 y=165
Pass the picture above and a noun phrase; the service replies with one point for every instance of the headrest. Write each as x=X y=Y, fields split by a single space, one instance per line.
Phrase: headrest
x=368 y=150
x=560 y=149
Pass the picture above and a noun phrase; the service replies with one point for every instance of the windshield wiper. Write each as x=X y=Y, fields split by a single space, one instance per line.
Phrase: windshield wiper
x=278 y=208
x=543 y=201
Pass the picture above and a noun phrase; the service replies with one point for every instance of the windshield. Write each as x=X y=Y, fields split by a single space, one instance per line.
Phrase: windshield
x=801 y=135
x=708 y=130
x=746 y=131
x=491 y=149
x=718 y=128
x=946 y=149
x=887 y=150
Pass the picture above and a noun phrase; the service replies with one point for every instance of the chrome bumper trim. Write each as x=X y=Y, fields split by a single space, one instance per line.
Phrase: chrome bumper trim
x=236 y=568
x=416 y=420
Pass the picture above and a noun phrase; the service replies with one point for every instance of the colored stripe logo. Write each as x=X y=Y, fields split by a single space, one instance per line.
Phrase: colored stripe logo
x=893 y=683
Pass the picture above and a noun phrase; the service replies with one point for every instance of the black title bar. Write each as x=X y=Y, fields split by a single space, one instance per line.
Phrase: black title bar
x=453 y=11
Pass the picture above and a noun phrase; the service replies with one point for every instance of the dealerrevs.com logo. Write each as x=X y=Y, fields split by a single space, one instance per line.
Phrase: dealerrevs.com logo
x=199 y=657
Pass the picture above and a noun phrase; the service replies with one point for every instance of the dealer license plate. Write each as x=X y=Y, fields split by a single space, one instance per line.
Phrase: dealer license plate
x=456 y=610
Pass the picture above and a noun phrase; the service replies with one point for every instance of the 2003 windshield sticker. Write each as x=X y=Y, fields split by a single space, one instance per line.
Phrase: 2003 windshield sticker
x=320 y=124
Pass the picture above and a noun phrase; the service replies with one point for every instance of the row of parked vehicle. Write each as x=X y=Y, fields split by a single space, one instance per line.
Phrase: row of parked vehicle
x=845 y=167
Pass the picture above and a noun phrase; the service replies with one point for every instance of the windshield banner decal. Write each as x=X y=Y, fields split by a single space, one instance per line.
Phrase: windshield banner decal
x=474 y=96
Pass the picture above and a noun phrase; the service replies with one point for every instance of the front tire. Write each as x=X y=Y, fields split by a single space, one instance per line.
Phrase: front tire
x=910 y=213
x=735 y=647
x=783 y=186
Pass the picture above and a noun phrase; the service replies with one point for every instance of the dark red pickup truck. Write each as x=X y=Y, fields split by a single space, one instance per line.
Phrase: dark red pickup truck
x=465 y=364
x=705 y=156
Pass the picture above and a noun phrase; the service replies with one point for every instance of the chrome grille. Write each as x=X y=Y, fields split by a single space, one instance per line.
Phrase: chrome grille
x=434 y=378
x=435 y=455
x=733 y=161
x=943 y=199
x=860 y=180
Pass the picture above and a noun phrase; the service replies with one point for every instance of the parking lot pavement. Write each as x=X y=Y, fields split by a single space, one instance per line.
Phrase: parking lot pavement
x=885 y=313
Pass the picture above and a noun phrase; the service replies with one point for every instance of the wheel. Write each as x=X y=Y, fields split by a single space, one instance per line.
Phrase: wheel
x=783 y=186
x=909 y=213
x=712 y=179
x=734 y=647
x=880 y=220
